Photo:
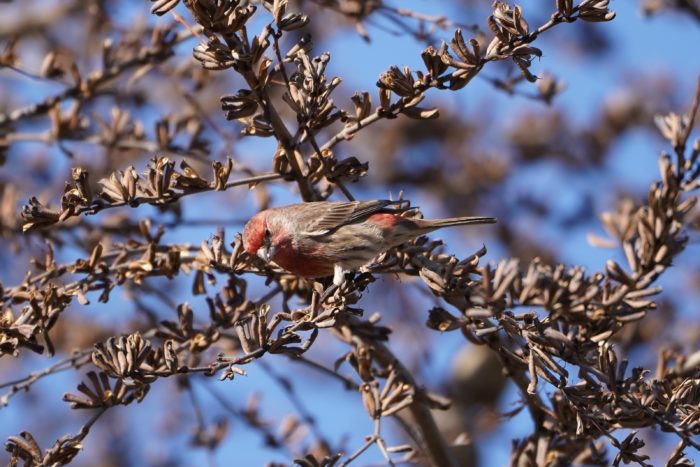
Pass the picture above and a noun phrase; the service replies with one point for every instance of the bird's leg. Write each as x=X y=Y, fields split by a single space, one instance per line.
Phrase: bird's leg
x=328 y=292
x=338 y=275
x=338 y=279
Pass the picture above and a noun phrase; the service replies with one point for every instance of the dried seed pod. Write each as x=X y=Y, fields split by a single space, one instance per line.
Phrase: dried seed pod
x=161 y=7
x=401 y=83
x=214 y=55
x=293 y=21
x=36 y=215
x=243 y=104
x=432 y=59
x=595 y=11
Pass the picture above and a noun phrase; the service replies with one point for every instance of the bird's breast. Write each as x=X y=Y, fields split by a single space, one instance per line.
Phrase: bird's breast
x=302 y=263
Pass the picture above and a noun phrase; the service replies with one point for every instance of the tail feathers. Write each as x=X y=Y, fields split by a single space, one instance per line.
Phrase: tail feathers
x=439 y=223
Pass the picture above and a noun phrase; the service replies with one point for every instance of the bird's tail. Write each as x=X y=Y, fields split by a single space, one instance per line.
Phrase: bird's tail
x=433 y=224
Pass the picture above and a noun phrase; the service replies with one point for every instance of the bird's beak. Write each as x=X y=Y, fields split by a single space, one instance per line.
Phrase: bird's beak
x=266 y=253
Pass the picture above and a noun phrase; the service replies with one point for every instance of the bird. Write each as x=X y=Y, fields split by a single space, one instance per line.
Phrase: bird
x=323 y=238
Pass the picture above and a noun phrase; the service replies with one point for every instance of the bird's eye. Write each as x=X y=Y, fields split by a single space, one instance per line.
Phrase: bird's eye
x=268 y=237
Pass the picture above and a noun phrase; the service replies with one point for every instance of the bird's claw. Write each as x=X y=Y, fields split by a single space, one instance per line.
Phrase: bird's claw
x=328 y=293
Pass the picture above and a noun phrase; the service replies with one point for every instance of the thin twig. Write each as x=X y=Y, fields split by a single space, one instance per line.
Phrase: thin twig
x=268 y=435
x=281 y=132
x=431 y=438
x=25 y=382
x=692 y=114
x=368 y=444
x=348 y=382
x=174 y=196
x=145 y=56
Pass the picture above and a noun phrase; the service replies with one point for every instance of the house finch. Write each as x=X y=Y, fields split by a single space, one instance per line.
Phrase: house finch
x=326 y=238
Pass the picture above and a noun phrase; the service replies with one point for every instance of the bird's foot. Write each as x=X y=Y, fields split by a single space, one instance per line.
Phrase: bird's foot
x=339 y=277
x=328 y=293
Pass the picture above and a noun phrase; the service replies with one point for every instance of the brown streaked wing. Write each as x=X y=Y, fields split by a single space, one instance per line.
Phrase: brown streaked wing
x=339 y=213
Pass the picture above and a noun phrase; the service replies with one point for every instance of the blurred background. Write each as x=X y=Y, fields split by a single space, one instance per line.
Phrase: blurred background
x=546 y=159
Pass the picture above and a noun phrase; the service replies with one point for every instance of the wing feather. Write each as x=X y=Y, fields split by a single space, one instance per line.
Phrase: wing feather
x=339 y=213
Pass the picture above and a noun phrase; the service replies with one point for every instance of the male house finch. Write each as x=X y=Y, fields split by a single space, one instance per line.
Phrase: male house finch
x=318 y=239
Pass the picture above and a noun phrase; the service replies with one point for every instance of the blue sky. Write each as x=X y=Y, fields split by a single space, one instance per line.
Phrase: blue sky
x=643 y=49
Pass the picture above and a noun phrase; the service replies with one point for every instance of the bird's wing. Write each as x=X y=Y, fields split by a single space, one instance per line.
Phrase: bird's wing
x=336 y=214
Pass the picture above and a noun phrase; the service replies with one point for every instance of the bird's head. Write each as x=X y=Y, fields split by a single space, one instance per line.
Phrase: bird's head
x=258 y=238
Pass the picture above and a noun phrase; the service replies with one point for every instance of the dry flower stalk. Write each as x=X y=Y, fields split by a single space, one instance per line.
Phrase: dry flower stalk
x=567 y=346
